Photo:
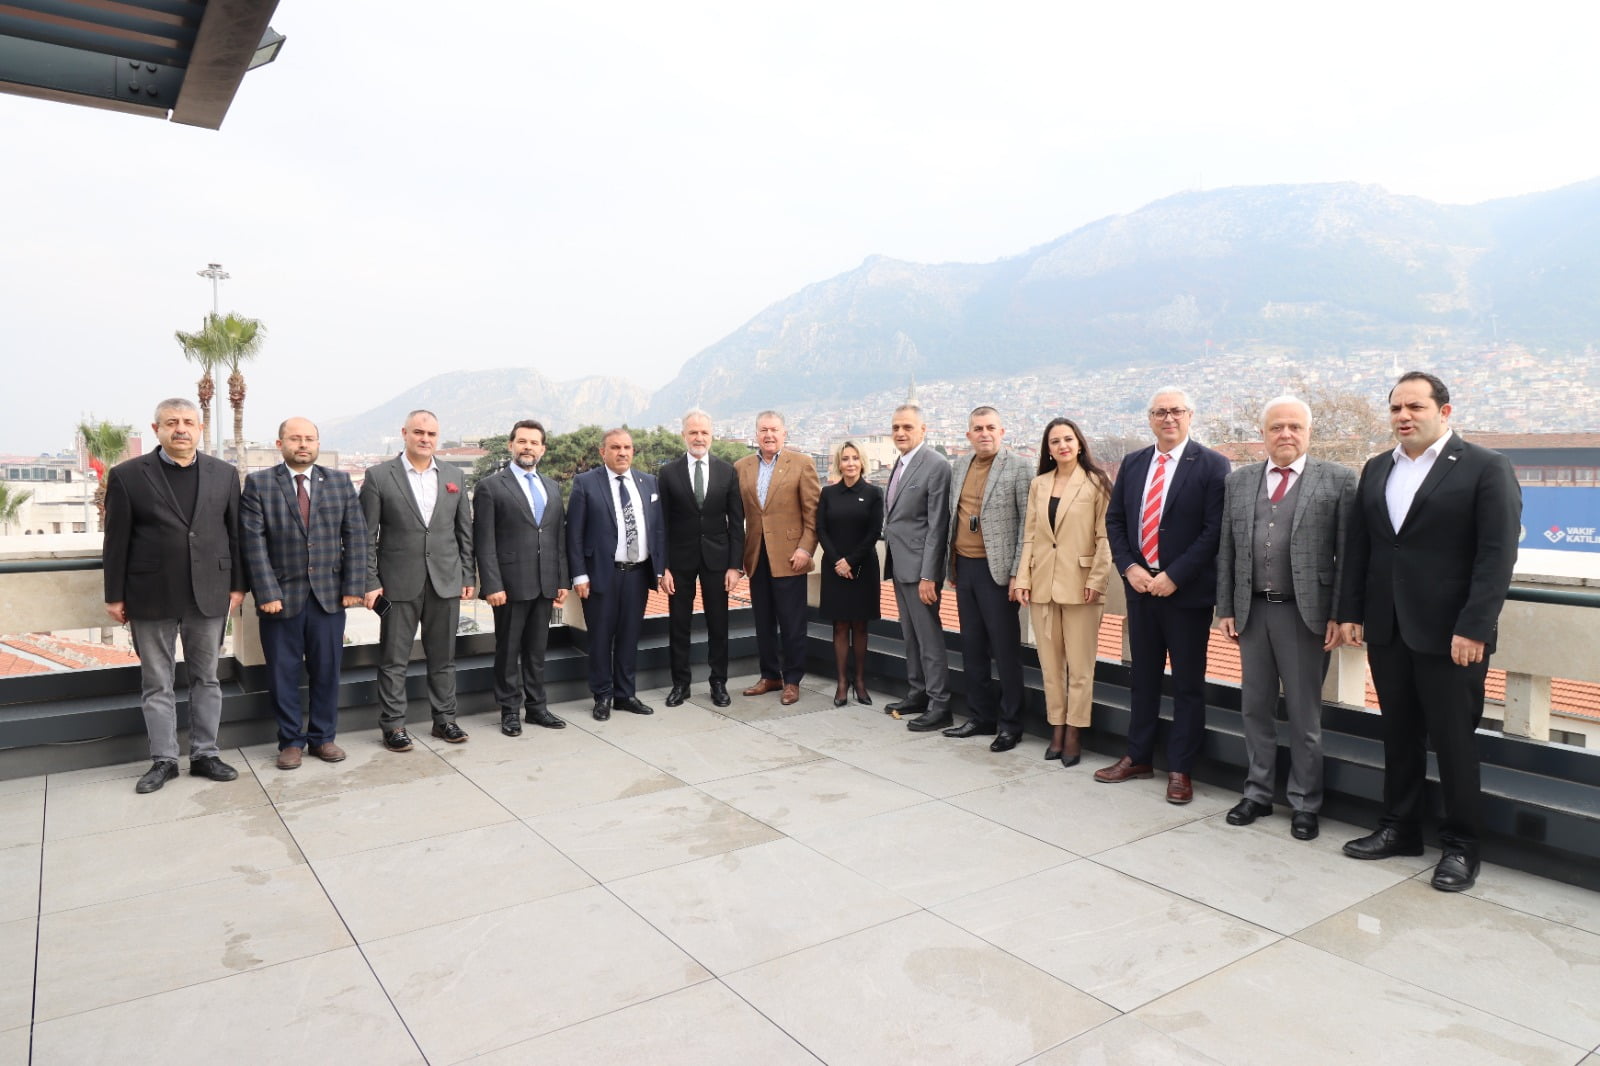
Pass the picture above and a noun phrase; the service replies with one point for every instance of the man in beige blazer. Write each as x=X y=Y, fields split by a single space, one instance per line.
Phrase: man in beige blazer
x=780 y=490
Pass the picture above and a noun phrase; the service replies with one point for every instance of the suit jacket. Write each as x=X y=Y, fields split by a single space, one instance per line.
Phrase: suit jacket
x=789 y=520
x=1059 y=561
x=1191 y=523
x=916 y=522
x=1317 y=533
x=1446 y=570
x=706 y=536
x=523 y=559
x=403 y=552
x=287 y=561
x=1005 y=499
x=156 y=561
x=592 y=526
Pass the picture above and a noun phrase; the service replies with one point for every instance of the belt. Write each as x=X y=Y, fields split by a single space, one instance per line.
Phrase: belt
x=1274 y=597
x=625 y=567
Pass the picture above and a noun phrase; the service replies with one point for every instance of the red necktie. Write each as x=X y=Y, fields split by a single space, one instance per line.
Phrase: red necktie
x=1283 y=473
x=303 y=498
x=1150 y=521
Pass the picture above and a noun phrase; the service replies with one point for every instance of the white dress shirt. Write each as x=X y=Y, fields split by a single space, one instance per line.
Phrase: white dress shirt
x=424 y=486
x=1166 y=483
x=1407 y=477
x=1269 y=484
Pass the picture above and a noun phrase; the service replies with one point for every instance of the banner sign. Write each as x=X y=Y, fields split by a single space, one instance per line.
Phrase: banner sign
x=1563 y=520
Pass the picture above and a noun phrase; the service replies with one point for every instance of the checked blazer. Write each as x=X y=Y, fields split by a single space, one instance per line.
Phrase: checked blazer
x=1005 y=501
x=289 y=562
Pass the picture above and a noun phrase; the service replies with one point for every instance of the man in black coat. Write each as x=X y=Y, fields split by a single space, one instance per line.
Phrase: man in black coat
x=1429 y=559
x=705 y=543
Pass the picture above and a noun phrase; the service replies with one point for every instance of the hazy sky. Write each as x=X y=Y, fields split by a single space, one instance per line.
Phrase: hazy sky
x=609 y=188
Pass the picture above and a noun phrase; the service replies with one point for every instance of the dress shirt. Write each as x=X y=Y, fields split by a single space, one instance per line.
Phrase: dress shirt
x=531 y=486
x=1407 y=477
x=896 y=474
x=424 y=486
x=764 y=471
x=311 y=489
x=1269 y=484
x=1150 y=475
x=637 y=505
x=705 y=473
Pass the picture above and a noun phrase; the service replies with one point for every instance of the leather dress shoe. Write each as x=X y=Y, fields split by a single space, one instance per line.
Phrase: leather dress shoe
x=161 y=771
x=212 y=768
x=719 y=694
x=631 y=704
x=327 y=751
x=1455 y=872
x=971 y=728
x=791 y=695
x=1383 y=843
x=510 y=724
x=1005 y=741
x=678 y=694
x=450 y=733
x=291 y=757
x=1179 y=789
x=1124 y=769
x=602 y=709
x=929 y=720
x=1248 y=810
x=544 y=719
x=904 y=707
x=397 y=740
x=764 y=686
x=1303 y=825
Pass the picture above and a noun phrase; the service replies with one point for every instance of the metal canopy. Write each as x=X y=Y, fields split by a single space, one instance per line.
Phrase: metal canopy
x=178 y=58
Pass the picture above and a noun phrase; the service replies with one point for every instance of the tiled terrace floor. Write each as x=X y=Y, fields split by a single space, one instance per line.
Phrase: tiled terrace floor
x=770 y=886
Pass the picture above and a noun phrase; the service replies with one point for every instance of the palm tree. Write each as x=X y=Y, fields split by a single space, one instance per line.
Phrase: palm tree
x=245 y=336
x=105 y=443
x=207 y=349
x=11 y=501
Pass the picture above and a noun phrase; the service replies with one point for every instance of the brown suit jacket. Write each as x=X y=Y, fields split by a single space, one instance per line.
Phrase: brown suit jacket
x=1058 y=562
x=789 y=520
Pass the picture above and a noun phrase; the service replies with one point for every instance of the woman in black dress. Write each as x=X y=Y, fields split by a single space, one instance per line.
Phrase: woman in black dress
x=849 y=522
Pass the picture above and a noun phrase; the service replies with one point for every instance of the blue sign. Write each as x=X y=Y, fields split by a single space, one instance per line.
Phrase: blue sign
x=1563 y=520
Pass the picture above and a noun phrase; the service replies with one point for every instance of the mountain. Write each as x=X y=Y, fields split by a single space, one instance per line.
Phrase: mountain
x=482 y=403
x=1299 y=269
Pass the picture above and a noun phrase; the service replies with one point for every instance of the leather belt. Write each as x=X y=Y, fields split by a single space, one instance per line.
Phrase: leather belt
x=625 y=567
x=1274 y=597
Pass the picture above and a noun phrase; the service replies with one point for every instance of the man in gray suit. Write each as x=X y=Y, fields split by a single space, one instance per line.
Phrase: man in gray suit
x=172 y=566
x=519 y=538
x=1278 y=568
x=916 y=516
x=988 y=499
x=419 y=569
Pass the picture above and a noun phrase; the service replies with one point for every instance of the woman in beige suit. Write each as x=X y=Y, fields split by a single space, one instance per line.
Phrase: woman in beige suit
x=1062 y=576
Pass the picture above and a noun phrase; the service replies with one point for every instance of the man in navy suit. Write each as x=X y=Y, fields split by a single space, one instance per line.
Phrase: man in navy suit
x=305 y=549
x=1164 y=525
x=616 y=552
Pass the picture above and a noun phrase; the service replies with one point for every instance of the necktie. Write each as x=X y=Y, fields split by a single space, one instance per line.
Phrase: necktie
x=699 y=481
x=537 y=492
x=1150 y=521
x=894 y=484
x=1283 y=473
x=303 y=498
x=630 y=527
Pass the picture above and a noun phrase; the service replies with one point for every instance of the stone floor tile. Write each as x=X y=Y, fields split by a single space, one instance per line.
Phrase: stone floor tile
x=664 y=722
x=367 y=764
x=490 y=749
x=729 y=751
x=14 y=1044
x=769 y=706
x=947 y=767
x=90 y=775
x=933 y=853
x=1526 y=969
x=114 y=952
x=1116 y=938
x=747 y=906
x=604 y=774
x=916 y=991
x=847 y=729
x=1123 y=1041
x=12 y=786
x=19 y=882
x=1290 y=999
x=376 y=817
x=327 y=1008
x=17 y=940
x=21 y=819
x=482 y=983
x=702 y=1025
x=1531 y=894
x=106 y=805
x=409 y=886
x=812 y=795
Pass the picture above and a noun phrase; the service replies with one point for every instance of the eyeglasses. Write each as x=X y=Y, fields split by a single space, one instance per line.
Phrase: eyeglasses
x=1161 y=414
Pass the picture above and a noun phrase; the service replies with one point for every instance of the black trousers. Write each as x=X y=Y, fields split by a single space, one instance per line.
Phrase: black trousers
x=680 y=619
x=991 y=637
x=1158 y=629
x=615 y=620
x=779 y=606
x=521 y=636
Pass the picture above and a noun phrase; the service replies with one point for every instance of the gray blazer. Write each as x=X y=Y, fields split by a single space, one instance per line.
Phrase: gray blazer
x=1005 y=502
x=515 y=556
x=402 y=552
x=915 y=526
x=1322 y=512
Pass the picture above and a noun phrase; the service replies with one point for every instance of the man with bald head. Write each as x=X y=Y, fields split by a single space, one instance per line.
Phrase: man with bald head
x=305 y=550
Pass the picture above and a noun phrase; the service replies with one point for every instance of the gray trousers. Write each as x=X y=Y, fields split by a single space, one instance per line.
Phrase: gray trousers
x=155 y=642
x=927 y=670
x=1275 y=645
x=440 y=617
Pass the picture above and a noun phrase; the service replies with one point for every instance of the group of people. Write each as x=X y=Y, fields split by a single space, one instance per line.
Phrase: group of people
x=1291 y=557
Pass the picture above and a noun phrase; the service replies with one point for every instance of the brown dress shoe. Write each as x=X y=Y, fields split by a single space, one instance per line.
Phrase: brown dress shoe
x=329 y=752
x=1124 y=769
x=764 y=686
x=791 y=695
x=289 y=758
x=1178 y=788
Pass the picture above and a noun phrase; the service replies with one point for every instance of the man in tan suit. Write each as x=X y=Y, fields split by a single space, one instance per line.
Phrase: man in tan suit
x=780 y=490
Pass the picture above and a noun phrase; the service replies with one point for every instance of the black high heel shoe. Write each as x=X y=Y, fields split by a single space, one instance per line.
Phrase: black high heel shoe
x=841 y=697
x=1052 y=753
x=863 y=697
